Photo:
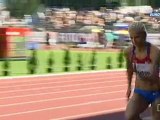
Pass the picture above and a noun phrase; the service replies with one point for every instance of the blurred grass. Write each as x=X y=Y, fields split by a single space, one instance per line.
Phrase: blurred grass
x=18 y=68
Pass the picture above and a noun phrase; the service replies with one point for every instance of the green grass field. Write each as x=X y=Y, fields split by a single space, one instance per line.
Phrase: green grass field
x=18 y=68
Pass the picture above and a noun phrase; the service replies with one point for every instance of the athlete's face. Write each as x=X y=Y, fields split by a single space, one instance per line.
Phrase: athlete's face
x=138 y=38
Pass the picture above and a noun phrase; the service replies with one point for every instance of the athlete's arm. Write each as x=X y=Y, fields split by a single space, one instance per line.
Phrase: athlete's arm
x=128 y=66
x=159 y=64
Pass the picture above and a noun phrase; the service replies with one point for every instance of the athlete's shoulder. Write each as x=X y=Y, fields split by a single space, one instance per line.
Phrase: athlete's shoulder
x=128 y=49
x=155 y=51
x=155 y=48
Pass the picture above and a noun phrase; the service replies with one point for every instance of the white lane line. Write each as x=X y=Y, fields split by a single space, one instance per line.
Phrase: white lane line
x=66 y=81
x=59 y=86
x=58 y=79
x=67 y=74
x=61 y=107
x=47 y=78
x=50 y=93
x=62 y=98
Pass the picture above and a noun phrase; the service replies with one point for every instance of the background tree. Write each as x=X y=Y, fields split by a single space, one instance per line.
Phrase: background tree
x=80 y=62
x=93 y=60
x=67 y=60
x=76 y=4
x=19 y=8
x=6 y=67
x=32 y=63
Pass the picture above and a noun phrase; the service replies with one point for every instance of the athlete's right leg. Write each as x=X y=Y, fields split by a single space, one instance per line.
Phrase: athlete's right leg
x=136 y=105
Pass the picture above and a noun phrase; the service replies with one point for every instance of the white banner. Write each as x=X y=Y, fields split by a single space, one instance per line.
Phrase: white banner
x=63 y=37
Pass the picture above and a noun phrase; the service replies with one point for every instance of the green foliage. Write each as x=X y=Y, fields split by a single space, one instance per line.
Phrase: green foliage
x=6 y=66
x=93 y=60
x=19 y=8
x=18 y=68
x=80 y=62
x=33 y=62
x=131 y=2
x=50 y=62
x=76 y=4
x=109 y=64
x=67 y=60
x=120 y=59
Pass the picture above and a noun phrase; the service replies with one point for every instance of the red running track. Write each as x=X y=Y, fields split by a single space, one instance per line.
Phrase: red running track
x=64 y=97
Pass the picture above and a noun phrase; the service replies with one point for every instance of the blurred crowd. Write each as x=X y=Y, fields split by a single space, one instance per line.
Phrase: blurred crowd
x=67 y=18
x=65 y=25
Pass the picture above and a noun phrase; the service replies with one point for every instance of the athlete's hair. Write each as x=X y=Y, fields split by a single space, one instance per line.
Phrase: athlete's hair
x=138 y=27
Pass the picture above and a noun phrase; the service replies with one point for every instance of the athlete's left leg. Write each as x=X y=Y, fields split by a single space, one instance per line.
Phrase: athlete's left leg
x=156 y=109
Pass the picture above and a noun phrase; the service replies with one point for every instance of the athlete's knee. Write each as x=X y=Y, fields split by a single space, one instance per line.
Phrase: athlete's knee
x=155 y=117
x=131 y=115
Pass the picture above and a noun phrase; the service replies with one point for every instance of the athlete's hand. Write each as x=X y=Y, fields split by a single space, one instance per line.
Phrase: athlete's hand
x=128 y=93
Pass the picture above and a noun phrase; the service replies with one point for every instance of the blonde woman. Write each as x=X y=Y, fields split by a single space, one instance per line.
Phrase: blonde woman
x=143 y=59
